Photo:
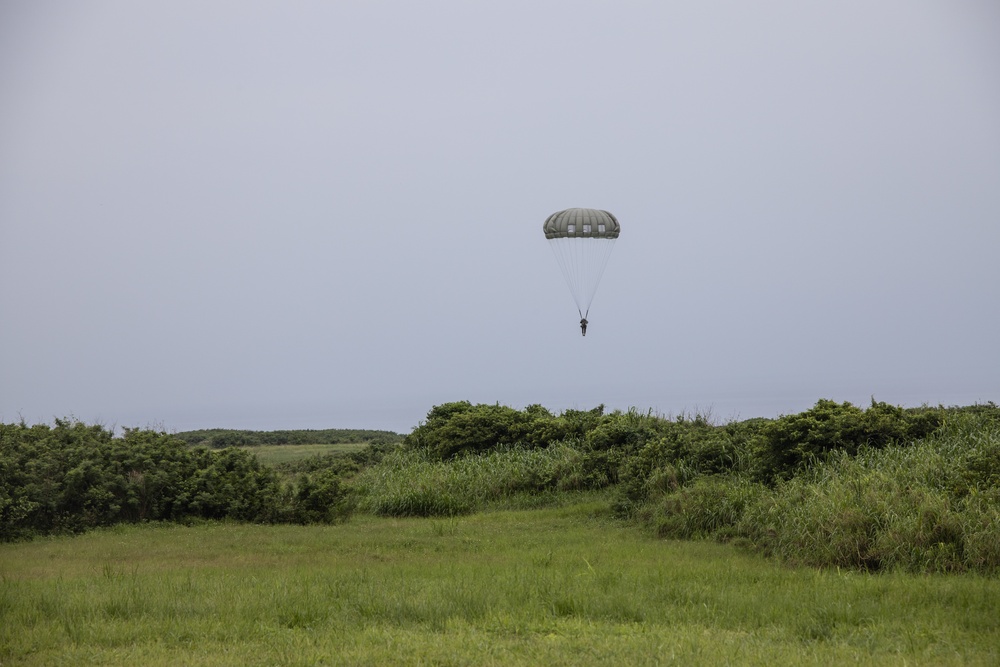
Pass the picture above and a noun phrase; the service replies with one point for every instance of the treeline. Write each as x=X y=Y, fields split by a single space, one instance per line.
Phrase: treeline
x=220 y=438
x=71 y=476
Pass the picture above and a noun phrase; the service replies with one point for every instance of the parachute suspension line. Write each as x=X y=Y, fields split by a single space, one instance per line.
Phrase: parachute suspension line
x=582 y=261
x=601 y=263
x=566 y=266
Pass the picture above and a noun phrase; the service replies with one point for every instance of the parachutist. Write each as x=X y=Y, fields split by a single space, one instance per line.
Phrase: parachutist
x=581 y=239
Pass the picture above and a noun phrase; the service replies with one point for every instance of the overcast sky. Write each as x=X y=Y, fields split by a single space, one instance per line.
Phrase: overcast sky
x=275 y=215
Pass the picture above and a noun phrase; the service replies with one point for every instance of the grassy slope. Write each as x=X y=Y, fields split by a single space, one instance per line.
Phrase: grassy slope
x=556 y=586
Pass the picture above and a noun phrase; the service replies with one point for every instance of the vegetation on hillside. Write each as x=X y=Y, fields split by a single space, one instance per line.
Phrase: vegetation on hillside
x=220 y=438
x=873 y=488
x=836 y=485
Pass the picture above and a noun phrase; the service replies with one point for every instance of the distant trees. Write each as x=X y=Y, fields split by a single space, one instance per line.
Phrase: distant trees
x=219 y=438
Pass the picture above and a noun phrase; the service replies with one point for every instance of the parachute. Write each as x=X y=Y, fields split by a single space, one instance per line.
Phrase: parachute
x=582 y=239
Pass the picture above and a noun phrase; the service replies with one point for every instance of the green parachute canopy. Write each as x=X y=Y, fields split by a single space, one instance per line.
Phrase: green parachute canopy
x=582 y=223
x=581 y=240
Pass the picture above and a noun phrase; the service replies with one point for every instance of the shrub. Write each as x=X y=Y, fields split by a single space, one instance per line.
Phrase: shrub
x=320 y=498
x=793 y=441
x=686 y=450
x=71 y=477
x=461 y=428
x=626 y=431
x=454 y=429
x=229 y=483
x=615 y=439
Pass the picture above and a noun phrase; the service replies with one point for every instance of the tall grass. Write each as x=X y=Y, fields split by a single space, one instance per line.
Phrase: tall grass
x=928 y=506
x=413 y=483
x=925 y=507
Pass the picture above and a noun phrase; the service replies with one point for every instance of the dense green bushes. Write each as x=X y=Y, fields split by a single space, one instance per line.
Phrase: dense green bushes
x=929 y=505
x=793 y=441
x=836 y=485
x=71 y=476
x=459 y=428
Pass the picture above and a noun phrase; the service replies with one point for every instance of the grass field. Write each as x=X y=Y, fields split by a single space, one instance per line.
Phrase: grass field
x=272 y=454
x=554 y=586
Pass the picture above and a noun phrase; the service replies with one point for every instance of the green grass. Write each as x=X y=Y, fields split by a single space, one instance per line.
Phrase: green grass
x=274 y=454
x=557 y=586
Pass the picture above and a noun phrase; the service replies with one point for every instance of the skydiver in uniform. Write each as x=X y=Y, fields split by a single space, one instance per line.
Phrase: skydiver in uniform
x=583 y=326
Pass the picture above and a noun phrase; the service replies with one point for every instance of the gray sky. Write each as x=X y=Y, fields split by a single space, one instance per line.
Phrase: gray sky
x=328 y=214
